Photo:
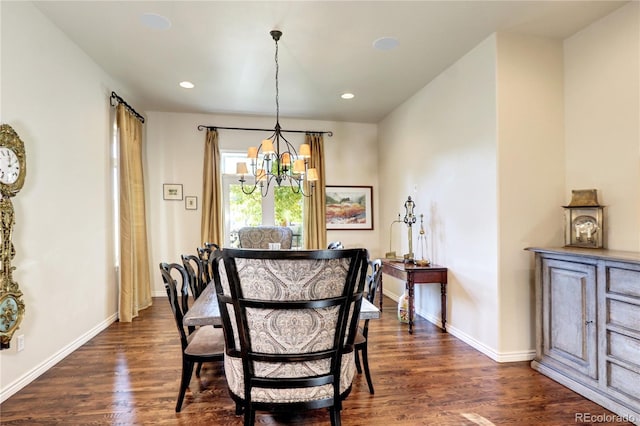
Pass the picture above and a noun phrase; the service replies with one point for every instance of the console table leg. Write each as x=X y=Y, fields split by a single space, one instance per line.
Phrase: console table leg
x=410 y=291
x=443 y=307
x=380 y=293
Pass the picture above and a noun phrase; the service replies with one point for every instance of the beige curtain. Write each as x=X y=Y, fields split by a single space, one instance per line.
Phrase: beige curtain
x=211 y=225
x=135 y=284
x=315 y=226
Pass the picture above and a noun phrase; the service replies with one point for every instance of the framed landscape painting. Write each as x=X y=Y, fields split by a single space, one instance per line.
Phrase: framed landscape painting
x=349 y=207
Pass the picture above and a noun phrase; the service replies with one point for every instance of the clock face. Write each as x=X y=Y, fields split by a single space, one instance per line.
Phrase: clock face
x=9 y=166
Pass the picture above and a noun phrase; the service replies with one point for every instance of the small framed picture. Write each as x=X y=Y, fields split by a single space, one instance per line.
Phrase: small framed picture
x=349 y=207
x=191 y=202
x=172 y=191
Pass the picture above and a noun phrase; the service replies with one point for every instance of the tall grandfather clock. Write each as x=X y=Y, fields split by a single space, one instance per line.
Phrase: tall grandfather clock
x=13 y=168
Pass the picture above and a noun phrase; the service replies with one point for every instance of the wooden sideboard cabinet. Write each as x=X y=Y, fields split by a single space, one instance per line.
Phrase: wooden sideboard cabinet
x=588 y=324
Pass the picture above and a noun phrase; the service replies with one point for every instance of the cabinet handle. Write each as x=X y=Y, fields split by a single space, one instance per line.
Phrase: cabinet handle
x=588 y=322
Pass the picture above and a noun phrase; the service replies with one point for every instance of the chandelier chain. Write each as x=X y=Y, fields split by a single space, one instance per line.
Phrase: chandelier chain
x=277 y=87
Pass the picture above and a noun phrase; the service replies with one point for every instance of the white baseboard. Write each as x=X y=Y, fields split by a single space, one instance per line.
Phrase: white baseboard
x=30 y=376
x=490 y=352
x=469 y=340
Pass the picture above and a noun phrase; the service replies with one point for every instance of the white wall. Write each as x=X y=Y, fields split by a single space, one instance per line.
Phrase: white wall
x=57 y=100
x=602 y=91
x=174 y=153
x=531 y=176
x=440 y=148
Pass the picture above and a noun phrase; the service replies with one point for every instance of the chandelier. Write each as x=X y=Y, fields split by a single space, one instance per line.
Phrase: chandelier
x=276 y=159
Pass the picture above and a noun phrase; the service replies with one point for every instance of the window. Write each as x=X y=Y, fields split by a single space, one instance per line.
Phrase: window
x=281 y=206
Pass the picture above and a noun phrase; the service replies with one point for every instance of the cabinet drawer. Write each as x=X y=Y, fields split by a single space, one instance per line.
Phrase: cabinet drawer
x=624 y=348
x=624 y=381
x=623 y=314
x=623 y=281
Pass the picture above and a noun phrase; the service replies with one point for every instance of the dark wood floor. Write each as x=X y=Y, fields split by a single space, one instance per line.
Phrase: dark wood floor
x=129 y=375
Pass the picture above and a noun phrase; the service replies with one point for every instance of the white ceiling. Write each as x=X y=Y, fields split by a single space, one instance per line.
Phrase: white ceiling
x=225 y=49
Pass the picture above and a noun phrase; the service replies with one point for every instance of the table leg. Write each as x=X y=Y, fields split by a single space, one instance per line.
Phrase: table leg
x=380 y=292
x=443 y=307
x=410 y=294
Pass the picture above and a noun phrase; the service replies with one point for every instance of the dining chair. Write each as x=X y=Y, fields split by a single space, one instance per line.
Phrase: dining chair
x=199 y=277
x=289 y=320
x=259 y=237
x=202 y=344
x=362 y=338
x=196 y=272
x=204 y=253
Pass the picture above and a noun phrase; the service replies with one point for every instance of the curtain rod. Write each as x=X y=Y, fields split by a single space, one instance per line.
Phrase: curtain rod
x=202 y=127
x=129 y=108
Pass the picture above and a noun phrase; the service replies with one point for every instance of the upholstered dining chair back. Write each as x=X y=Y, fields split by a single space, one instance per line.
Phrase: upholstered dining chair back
x=259 y=237
x=290 y=319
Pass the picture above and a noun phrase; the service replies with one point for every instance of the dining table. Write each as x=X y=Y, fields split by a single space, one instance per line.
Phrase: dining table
x=205 y=310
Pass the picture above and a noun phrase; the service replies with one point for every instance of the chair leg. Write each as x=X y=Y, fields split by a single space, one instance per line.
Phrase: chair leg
x=239 y=409
x=249 y=416
x=198 y=369
x=357 y=359
x=187 y=371
x=365 y=361
x=334 y=413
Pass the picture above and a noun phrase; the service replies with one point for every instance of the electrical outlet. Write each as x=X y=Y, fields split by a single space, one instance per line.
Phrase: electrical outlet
x=21 y=342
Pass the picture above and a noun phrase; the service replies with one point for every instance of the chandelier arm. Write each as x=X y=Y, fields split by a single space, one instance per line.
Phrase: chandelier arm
x=242 y=186
x=307 y=194
x=264 y=189
x=294 y=183
x=290 y=148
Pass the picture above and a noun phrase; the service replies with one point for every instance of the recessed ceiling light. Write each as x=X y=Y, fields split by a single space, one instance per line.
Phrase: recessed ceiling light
x=347 y=96
x=155 y=21
x=386 y=43
x=187 y=85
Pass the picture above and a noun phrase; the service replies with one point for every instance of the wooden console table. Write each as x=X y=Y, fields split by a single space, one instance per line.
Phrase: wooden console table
x=413 y=274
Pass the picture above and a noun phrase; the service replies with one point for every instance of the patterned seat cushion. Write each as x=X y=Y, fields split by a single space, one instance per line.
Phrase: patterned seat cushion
x=235 y=380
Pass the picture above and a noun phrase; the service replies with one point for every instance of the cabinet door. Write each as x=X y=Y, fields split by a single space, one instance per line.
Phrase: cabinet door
x=569 y=335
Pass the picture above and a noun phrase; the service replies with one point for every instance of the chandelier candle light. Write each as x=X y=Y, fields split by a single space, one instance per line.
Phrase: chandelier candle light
x=276 y=159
